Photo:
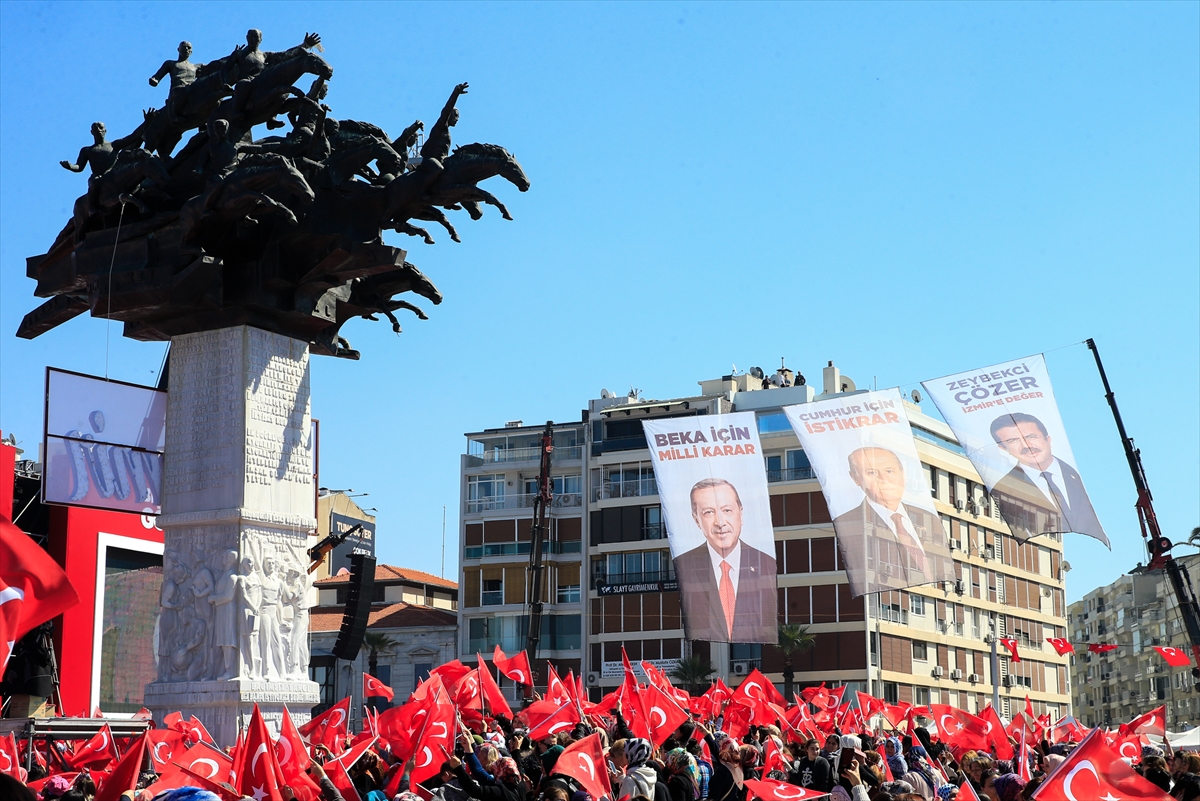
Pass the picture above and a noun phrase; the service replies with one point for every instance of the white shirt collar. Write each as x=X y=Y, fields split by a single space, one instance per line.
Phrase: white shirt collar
x=1055 y=471
x=735 y=563
x=886 y=515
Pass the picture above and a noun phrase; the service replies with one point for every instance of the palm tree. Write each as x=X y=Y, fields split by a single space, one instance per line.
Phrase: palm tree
x=792 y=640
x=377 y=643
x=1194 y=539
x=693 y=673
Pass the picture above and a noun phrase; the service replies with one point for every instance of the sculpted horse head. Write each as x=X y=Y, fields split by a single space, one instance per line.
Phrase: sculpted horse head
x=477 y=162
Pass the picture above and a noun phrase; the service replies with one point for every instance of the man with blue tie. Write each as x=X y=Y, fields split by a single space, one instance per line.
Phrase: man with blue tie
x=1043 y=491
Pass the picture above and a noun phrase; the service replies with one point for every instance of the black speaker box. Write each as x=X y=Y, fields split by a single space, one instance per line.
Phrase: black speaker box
x=358 y=607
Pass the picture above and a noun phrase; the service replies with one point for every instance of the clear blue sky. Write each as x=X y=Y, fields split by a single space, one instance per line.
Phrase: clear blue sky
x=908 y=189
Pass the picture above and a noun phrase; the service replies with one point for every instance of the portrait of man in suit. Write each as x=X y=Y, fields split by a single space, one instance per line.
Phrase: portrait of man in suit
x=727 y=586
x=1042 y=493
x=885 y=543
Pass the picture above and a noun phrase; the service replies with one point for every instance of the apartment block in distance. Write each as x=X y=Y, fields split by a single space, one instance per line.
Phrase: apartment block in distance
x=1137 y=612
x=931 y=644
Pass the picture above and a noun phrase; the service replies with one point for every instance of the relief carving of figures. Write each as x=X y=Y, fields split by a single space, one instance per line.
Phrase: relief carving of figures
x=168 y=616
x=187 y=658
x=202 y=587
x=225 y=633
x=270 y=638
x=297 y=598
x=252 y=595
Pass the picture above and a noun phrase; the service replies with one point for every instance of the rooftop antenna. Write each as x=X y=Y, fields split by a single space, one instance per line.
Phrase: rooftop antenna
x=916 y=396
x=443 y=572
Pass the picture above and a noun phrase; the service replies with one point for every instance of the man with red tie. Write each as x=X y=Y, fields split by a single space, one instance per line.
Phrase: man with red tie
x=885 y=543
x=727 y=586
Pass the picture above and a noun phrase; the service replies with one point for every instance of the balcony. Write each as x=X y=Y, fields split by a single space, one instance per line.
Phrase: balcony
x=633 y=488
x=570 y=453
x=519 y=549
x=522 y=501
x=790 y=474
x=642 y=577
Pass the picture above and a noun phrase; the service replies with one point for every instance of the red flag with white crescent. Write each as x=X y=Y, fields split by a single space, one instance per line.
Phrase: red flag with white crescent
x=496 y=702
x=163 y=745
x=436 y=740
x=1093 y=772
x=959 y=727
x=664 y=714
x=1011 y=644
x=1102 y=647
x=1061 y=646
x=196 y=732
x=125 y=774
x=341 y=780
x=583 y=761
x=330 y=727
x=207 y=762
x=560 y=720
x=1176 y=657
x=259 y=774
x=10 y=759
x=772 y=790
x=1153 y=722
x=374 y=688
x=33 y=588
x=292 y=754
x=97 y=752
x=556 y=693
x=996 y=735
x=515 y=667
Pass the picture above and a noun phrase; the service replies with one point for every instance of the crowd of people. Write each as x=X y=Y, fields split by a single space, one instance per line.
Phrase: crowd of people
x=698 y=762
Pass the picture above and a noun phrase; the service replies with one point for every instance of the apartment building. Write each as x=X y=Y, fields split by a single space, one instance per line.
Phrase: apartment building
x=499 y=483
x=1137 y=611
x=931 y=644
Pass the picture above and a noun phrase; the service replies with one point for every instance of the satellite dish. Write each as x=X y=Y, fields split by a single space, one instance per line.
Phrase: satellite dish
x=916 y=396
x=1066 y=566
x=757 y=372
x=605 y=394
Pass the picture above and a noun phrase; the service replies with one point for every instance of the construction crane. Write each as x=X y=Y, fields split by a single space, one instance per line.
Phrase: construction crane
x=537 y=534
x=1158 y=545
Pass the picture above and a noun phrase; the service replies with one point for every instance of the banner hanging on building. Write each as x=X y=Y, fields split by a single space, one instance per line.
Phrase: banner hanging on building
x=714 y=500
x=1006 y=419
x=888 y=530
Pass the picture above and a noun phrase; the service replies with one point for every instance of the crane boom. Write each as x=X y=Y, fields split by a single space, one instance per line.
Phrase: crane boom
x=1158 y=545
x=537 y=534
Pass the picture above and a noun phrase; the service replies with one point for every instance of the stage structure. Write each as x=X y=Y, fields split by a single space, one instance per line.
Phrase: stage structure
x=249 y=255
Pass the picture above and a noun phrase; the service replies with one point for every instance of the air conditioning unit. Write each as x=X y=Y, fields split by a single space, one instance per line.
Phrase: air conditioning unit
x=956 y=674
x=958 y=505
x=1153 y=696
x=1009 y=681
x=1106 y=676
x=741 y=668
x=943 y=626
x=955 y=545
x=974 y=508
x=974 y=678
x=960 y=587
x=592 y=679
x=989 y=638
x=937 y=672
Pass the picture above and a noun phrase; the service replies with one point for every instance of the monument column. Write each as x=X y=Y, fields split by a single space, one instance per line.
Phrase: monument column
x=238 y=505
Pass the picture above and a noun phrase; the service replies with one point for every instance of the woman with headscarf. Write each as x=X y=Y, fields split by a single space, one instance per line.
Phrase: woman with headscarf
x=640 y=778
x=683 y=775
x=727 y=780
x=1004 y=787
x=751 y=760
x=506 y=787
x=895 y=757
x=924 y=779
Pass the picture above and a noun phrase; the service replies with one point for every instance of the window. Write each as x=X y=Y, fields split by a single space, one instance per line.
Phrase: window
x=891 y=692
x=652 y=526
x=493 y=592
x=916 y=604
x=920 y=651
x=921 y=696
x=507 y=631
x=637 y=567
x=323 y=670
x=931 y=477
x=485 y=492
x=567 y=485
x=384 y=674
x=568 y=594
x=421 y=672
x=563 y=632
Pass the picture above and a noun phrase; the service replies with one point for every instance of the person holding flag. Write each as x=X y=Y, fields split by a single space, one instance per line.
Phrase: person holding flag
x=507 y=784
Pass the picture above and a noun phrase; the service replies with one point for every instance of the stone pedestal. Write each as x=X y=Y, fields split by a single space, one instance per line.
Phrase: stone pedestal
x=238 y=502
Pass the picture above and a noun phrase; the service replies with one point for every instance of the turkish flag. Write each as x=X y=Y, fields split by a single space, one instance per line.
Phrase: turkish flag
x=163 y=745
x=1022 y=758
x=1067 y=729
x=292 y=755
x=967 y=793
x=374 y=688
x=207 y=762
x=355 y=753
x=196 y=732
x=773 y=757
x=1127 y=746
x=870 y=705
x=1093 y=771
x=1061 y=646
x=996 y=735
x=1011 y=644
x=895 y=713
x=97 y=752
x=515 y=667
x=400 y=726
x=959 y=727
x=259 y=774
x=562 y=719
x=329 y=728
x=1176 y=657
x=341 y=780
x=33 y=588
x=124 y=776
x=664 y=713
x=772 y=790
x=1153 y=722
x=757 y=687
x=556 y=693
x=491 y=690
x=436 y=740
x=450 y=673
x=583 y=760
x=10 y=759
x=1102 y=648
x=737 y=719
x=466 y=693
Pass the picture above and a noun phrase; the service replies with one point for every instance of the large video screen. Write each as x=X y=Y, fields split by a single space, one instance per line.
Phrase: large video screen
x=128 y=642
x=103 y=443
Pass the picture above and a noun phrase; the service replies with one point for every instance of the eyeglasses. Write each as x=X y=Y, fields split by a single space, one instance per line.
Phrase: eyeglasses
x=1008 y=443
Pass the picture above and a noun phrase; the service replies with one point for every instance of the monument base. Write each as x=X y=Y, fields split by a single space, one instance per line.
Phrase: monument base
x=238 y=506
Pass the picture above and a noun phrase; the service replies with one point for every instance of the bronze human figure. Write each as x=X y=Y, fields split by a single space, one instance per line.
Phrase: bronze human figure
x=282 y=231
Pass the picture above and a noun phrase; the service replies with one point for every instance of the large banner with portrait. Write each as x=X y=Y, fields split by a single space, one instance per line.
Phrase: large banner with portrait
x=888 y=530
x=714 y=501
x=1006 y=419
